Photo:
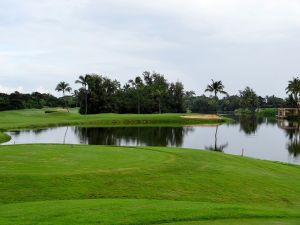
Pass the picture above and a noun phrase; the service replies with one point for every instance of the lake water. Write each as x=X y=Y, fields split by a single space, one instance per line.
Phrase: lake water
x=260 y=138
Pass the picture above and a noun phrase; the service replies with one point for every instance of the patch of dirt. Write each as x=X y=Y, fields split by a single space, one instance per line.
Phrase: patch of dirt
x=204 y=116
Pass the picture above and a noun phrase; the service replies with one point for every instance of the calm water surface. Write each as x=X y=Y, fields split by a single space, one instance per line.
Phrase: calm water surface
x=260 y=138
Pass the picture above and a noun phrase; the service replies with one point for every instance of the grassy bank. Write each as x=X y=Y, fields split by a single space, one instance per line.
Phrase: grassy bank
x=271 y=112
x=74 y=184
x=35 y=118
x=263 y=112
x=4 y=137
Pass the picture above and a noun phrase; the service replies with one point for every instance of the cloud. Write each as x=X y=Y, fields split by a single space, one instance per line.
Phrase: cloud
x=43 y=90
x=8 y=90
x=231 y=20
x=241 y=42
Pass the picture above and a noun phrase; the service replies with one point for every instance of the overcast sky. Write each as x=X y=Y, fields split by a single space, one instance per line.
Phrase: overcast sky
x=252 y=43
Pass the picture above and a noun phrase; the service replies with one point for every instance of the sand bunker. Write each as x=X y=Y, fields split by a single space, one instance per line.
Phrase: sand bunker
x=204 y=116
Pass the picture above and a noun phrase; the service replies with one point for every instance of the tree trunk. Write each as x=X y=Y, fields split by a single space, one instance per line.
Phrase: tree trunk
x=139 y=104
x=159 y=106
x=86 y=100
x=66 y=106
x=216 y=99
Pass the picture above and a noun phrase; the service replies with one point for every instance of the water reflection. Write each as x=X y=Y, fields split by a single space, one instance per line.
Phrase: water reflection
x=150 y=136
x=249 y=124
x=258 y=137
x=216 y=147
x=292 y=129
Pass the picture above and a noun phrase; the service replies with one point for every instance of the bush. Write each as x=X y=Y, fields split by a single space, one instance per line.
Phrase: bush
x=270 y=112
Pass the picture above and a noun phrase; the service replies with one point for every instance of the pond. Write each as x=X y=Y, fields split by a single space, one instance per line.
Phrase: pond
x=262 y=138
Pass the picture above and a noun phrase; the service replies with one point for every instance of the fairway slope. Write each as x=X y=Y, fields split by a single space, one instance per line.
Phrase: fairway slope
x=79 y=184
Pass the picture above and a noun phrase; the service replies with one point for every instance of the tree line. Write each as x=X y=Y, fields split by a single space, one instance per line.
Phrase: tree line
x=148 y=93
x=246 y=100
x=152 y=93
x=36 y=100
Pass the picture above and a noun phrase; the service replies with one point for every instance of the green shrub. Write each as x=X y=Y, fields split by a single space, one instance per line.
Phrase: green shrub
x=268 y=112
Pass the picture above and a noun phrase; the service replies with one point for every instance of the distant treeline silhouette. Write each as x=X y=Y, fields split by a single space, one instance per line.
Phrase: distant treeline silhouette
x=36 y=100
x=148 y=93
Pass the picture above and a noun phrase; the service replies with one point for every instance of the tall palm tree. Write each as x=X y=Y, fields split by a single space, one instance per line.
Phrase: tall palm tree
x=83 y=80
x=216 y=87
x=294 y=88
x=64 y=87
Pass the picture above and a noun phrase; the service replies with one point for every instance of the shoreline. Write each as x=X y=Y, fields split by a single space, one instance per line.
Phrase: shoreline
x=38 y=119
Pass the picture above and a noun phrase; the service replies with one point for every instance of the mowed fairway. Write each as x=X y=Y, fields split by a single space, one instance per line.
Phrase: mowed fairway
x=75 y=184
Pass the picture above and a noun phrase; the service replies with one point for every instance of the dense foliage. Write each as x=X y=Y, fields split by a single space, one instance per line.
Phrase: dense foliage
x=151 y=93
x=247 y=101
x=17 y=100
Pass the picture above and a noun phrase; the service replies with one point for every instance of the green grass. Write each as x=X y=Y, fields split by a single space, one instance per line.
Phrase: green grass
x=129 y=211
x=4 y=137
x=263 y=112
x=35 y=118
x=267 y=112
x=75 y=184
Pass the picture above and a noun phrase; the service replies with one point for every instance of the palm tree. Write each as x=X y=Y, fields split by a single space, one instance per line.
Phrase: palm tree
x=294 y=88
x=83 y=80
x=64 y=87
x=216 y=87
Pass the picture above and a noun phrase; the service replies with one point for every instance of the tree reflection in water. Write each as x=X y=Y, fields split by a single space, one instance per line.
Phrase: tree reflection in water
x=250 y=123
x=216 y=147
x=228 y=137
x=292 y=129
x=150 y=136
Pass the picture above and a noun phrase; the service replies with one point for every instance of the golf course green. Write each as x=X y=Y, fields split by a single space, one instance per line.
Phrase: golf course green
x=87 y=185
x=78 y=184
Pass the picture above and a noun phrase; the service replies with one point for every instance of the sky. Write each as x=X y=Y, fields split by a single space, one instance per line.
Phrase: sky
x=252 y=43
